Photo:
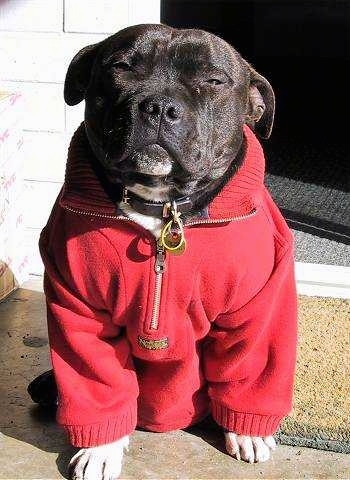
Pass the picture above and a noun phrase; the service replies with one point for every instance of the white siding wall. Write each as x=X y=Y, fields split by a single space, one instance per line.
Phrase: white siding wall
x=38 y=38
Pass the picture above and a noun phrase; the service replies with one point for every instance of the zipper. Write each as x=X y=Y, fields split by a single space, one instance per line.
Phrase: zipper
x=159 y=268
x=159 y=264
x=189 y=224
x=99 y=215
x=222 y=220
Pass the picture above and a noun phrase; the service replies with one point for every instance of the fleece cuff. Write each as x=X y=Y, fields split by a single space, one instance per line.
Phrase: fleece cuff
x=245 y=423
x=109 y=431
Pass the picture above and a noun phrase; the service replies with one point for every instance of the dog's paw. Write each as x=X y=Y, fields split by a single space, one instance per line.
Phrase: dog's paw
x=98 y=463
x=249 y=449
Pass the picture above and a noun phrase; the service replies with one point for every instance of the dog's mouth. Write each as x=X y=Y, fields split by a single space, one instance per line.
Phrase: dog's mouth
x=153 y=160
x=149 y=160
x=151 y=165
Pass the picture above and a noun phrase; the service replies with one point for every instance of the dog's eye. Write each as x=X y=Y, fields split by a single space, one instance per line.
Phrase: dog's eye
x=121 y=66
x=214 y=81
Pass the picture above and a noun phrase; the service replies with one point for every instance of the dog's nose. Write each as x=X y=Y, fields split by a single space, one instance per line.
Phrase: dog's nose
x=158 y=106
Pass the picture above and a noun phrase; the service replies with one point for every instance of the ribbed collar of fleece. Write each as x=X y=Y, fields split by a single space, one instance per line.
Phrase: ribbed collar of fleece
x=82 y=189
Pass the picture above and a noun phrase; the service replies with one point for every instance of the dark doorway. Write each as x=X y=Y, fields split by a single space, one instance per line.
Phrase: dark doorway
x=302 y=47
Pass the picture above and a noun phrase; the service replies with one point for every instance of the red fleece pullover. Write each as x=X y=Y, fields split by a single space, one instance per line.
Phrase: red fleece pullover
x=214 y=333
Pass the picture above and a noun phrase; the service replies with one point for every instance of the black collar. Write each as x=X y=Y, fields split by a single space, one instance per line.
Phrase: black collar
x=155 y=209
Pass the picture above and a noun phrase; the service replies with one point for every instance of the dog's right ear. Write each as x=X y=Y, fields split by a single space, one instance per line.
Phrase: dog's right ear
x=78 y=74
x=261 y=105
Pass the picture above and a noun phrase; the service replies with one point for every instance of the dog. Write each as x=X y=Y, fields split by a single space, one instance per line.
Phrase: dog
x=167 y=151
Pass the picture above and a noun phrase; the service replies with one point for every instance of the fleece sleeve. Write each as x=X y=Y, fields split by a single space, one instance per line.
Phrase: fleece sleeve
x=250 y=356
x=91 y=358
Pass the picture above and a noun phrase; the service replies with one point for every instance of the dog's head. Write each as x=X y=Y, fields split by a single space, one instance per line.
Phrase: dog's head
x=165 y=107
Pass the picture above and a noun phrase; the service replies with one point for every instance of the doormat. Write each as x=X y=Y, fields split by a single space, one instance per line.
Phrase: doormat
x=320 y=417
x=321 y=414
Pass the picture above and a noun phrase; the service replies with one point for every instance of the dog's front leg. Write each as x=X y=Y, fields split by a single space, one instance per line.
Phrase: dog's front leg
x=99 y=463
x=250 y=449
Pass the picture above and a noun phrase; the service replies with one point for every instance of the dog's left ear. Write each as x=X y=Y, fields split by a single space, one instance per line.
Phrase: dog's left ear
x=78 y=74
x=261 y=104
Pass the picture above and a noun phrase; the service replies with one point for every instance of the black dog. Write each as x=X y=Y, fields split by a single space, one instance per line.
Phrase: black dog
x=164 y=117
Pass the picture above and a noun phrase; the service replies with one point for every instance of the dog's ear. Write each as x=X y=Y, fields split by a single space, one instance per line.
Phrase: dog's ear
x=78 y=74
x=261 y=104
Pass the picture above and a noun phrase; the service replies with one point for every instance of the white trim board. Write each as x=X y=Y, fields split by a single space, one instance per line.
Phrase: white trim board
x=319 y=280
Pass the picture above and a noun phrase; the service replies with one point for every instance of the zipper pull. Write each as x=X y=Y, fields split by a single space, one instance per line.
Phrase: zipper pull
x=159 y=265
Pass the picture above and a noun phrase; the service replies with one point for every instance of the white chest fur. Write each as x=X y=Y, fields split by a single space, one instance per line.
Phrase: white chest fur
x=154 y=225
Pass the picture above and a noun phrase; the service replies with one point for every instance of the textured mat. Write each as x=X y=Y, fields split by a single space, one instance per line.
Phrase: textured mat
x=308 y=176
x=314 y=249
x=321 y=414
x=319 y=217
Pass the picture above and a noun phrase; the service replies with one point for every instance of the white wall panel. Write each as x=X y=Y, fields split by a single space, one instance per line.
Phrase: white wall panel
x=31 y=15
x=41 y=57
x=74 y=117
x=44 y=104
x=104 y=16
x=40 y=196
x=32 y=57
x=31 y=240
x=45 y=156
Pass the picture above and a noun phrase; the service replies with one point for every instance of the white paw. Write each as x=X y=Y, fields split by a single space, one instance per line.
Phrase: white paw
x=98 y=463
x=249 y=449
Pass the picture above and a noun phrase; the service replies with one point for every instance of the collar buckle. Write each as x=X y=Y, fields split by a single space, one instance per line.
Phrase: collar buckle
x=166 y=210
x=125 y=197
